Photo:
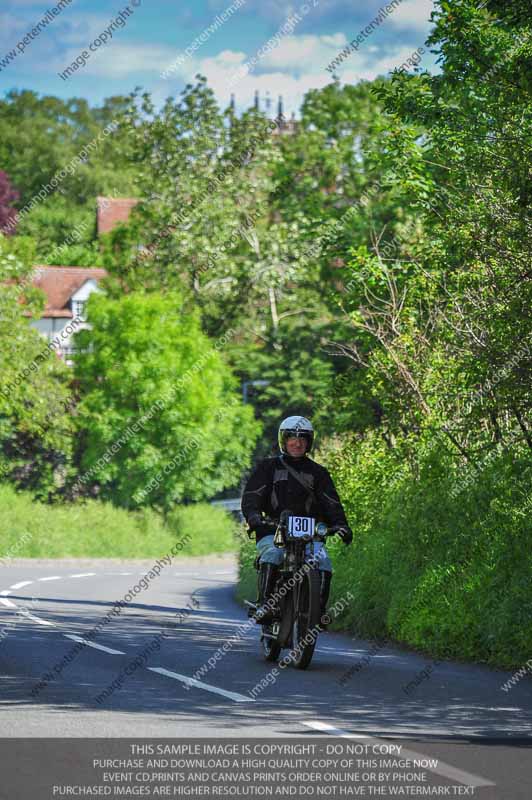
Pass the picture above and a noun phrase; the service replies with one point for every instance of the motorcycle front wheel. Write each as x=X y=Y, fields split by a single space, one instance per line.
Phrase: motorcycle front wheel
x=306 y=620
x=270 y=646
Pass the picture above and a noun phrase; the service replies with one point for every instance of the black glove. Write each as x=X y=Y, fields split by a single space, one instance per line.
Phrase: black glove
x=345 y=533
x=254 y=521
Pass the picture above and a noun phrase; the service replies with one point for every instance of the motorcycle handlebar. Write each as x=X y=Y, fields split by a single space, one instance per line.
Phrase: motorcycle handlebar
x=332 y=531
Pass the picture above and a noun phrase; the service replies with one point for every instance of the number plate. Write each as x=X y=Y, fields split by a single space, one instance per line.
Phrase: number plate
x=301 y=526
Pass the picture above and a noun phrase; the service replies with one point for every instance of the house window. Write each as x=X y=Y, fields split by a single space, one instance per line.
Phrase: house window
x=78 y=309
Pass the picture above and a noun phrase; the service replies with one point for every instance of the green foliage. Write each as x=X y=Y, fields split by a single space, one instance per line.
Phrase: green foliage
x=57 y=222
x=39 y=136
x=59 y=161
x=155 y=390
x=296 y=372
x=373 y=267
x=446 y=310
x=207 y=529
x=35 y=425
x=269 y=199
x=246 y=588
x=437 y=292
x=93 y=529
x=443 y=572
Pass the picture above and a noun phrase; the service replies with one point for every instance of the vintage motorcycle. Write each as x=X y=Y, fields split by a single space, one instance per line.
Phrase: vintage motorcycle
x=296 y=614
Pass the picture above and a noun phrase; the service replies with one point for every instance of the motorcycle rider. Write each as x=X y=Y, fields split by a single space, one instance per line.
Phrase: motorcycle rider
x=295 y=482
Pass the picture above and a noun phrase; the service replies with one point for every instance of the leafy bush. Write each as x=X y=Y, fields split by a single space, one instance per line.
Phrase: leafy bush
x=436 y=567
x=212 y=530
x=35 y=427
x=247 y=577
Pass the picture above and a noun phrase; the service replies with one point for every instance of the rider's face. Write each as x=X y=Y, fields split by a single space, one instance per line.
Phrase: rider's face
x=296 y=446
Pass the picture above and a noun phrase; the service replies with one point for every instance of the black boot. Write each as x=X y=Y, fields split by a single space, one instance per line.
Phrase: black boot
x=267 y=581
x=325 y=588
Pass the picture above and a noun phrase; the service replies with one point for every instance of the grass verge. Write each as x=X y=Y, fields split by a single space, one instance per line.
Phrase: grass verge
x=99 y=530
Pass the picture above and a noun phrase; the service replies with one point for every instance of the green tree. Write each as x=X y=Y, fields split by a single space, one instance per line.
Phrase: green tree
x=443 y=310
x=59 y=161
x=235 y=222
x=40 y=135
x=160 y=419
x=35 y=396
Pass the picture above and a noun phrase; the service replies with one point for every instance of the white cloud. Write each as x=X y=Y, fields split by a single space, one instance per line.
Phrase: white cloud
x=120 y=60
x=382 y=66
x=295 y=66
x=220 y=70
x=67 y=36
x=303 y=53
x=70 y=29
x=413 y=15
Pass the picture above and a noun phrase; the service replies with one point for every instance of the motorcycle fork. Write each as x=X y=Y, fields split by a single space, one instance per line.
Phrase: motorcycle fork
x=286 y=607
x=289 y=603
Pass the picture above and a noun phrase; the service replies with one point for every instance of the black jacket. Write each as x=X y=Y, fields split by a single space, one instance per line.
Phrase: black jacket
x=272 y=489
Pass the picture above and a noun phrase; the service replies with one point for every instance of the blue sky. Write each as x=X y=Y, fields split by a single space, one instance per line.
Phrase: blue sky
x=157 y=33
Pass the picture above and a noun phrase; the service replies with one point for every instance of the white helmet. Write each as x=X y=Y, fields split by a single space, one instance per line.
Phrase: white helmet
x=295 y=426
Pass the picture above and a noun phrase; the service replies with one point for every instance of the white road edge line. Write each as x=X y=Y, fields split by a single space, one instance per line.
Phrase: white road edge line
x=238 y=698
x=7 y=603
x=93 y=644
x=20 y=585
x=82 y=575
x=443 y=769
x=34 y=618
x=51 y=578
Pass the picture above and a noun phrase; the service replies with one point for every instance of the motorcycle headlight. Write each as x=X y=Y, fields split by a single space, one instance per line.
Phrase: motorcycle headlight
x=321 y=529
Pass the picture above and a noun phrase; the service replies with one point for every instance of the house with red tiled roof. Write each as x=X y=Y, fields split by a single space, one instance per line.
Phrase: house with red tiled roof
x=111 y=211
x=67 y=289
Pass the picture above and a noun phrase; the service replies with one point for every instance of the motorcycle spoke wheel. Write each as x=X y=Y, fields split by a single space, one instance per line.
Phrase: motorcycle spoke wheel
x=270 y=647
x=306 y=618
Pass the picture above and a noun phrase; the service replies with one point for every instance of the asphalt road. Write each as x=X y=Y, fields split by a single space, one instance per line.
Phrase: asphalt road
x=458 y=714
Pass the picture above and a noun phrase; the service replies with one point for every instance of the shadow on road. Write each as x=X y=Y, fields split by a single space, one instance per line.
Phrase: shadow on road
x=460 y=703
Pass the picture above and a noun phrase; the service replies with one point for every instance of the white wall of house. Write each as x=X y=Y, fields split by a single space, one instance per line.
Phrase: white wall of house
x=84 y=292
x=50 y=326
x=63 y=327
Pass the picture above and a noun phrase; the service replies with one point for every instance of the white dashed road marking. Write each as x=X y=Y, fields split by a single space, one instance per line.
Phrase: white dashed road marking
x=34 y=618
x=93 y=644
x=441 y=768
x=82 y=575
x=238 y=698
x=3 y=600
